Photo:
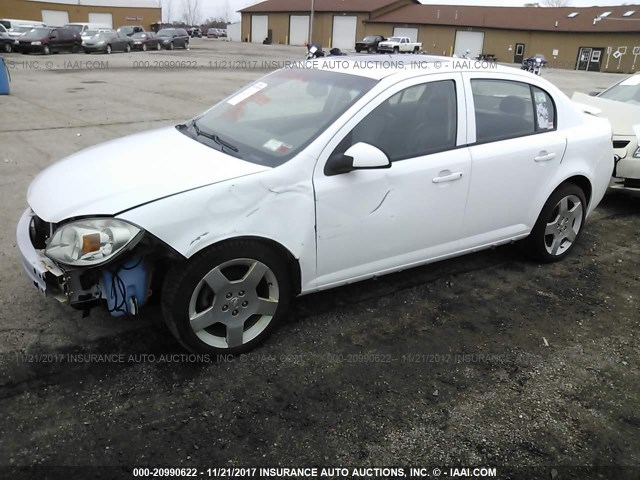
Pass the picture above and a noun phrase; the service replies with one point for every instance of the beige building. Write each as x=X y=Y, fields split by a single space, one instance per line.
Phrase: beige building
x=115 y=13
x=593 y=38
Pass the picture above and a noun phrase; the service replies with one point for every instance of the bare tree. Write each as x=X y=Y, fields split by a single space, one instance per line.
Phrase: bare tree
x=191 y=11
x=555 y=3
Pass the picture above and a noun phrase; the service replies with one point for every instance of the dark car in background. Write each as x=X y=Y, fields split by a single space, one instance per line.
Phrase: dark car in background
x=171 y=38
x=369 y=43
x=145 y=41
x=107 y=42
x=129 y=30
x=48 y=40
x=194 y=32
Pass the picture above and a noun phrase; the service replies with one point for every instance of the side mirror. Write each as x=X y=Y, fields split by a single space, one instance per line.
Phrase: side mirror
x=360 y=156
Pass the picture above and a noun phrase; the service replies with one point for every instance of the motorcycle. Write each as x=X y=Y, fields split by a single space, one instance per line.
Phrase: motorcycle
x=534 y=64
x=315 y=51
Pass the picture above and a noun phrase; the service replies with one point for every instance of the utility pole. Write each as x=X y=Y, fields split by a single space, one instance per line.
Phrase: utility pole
x=311 y=24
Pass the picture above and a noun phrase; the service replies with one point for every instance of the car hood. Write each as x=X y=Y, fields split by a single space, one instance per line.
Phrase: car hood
x=127 y=172
x=622 y=116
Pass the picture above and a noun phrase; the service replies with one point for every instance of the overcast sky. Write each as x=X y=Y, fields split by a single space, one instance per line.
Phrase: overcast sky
x=227 y=8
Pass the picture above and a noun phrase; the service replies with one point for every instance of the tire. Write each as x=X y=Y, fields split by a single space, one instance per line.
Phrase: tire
x=371 y=50
x=416 y=50
x=186 y=45
x=158 y=46
x=75 y=48
x=108 y=50
x=171 y=46
x=559 y=225
x=46 y=50
x=7 y=48
x=127 y=49
x=217 y=287
x=144 y=47
x=396 y=50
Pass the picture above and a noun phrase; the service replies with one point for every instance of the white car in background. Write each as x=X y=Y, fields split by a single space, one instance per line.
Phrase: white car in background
x=621 y=105
x=229 y=216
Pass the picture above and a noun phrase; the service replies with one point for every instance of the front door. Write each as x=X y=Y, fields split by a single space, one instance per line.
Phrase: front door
x=584 y=56
x=518 y=54
x=374 y=221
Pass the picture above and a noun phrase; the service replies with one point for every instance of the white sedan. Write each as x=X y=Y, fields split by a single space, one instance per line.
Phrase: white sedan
x=620 y=104
x=308 y=179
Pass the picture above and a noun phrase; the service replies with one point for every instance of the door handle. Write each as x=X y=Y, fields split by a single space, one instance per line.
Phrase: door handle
x=543 y=156
x=450 y=177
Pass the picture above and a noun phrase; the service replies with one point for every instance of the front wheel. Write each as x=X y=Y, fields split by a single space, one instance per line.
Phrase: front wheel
x=559 y=225
x=227 y=299
x=127 y=48
x=46 y=50
x=7 y=48
x=144 y=47
x=158 y=46
x=108 y=49
x=171 y=46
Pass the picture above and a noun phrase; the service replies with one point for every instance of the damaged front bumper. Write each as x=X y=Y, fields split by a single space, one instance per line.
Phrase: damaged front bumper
x=626 y=174
x=44 y=273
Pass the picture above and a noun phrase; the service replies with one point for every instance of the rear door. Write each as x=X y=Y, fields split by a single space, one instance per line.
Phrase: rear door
x=515 y=151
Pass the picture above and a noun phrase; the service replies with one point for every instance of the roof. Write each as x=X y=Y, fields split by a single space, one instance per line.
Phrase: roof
x=106 y=3
x=556 y=19
x=382 y=66
x=319 y=6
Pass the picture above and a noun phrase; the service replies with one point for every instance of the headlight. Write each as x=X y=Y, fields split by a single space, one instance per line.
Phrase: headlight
x=101 y=42
x=637 y=153
x=36 y=43
x=91 y=241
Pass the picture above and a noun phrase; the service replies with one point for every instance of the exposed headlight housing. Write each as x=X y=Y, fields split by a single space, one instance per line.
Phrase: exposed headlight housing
x=90 y=242
x=636 y=154
x=36 y=43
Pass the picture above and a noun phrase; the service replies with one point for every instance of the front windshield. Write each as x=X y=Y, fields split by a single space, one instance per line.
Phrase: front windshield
x=274 y=118
x=77 y=28
x=90 y=33
x=20 y=29
x=166 y=33
x=395 y=39
x=627 y=91
x=369 y=39
x=140 y=35
x=37 y=32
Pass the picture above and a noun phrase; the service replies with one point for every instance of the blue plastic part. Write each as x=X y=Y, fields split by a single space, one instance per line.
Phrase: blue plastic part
x=4 y=77
x=132 y=277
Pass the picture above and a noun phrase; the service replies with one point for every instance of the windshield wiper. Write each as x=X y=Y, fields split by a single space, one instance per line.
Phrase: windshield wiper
x=213 y=137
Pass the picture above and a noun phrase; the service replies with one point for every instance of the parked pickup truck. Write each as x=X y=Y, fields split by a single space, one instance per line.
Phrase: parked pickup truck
x=399 y=45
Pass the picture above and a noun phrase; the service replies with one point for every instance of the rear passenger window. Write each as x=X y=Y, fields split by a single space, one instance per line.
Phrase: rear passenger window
x=545 y=110
x=503 y=110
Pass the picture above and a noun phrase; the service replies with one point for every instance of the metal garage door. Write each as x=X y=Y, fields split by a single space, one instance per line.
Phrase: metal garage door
x=259 y=28
x=472 y=41
x=55 y=18
x=344 y=32
x=412 y=33
x=298 y=29
x=105 y=19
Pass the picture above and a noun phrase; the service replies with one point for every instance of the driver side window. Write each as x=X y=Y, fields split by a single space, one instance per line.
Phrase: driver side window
x=417 y=121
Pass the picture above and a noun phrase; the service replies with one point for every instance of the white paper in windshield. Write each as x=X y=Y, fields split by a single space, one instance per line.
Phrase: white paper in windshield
x=635 y=80
x=246 y=93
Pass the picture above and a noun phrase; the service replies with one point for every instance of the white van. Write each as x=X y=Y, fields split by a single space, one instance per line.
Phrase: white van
x=10 y=23
x=81 y=27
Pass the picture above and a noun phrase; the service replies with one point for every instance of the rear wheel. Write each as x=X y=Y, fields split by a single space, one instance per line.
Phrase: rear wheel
x=158 y=46
x=7 y=48
x=109 y=49
x=127 y=48
x=396 y=50
x=559 y=225
x=186 y=45
x=227 y=299
x=75 y=48
x=416 y=50
x=171 y=46
x=144 y=47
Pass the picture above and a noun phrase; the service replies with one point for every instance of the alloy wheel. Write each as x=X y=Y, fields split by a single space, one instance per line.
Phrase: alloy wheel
x=563 y=225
